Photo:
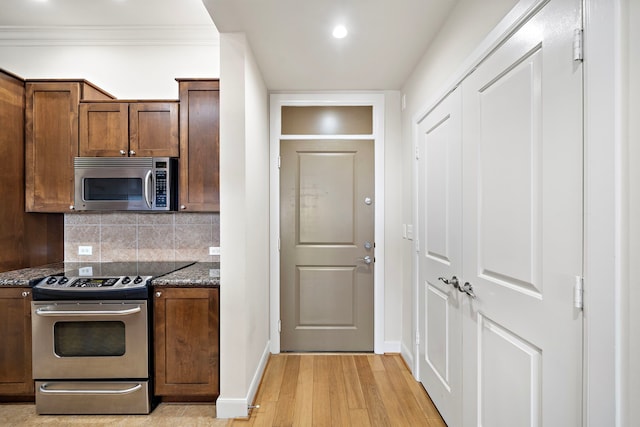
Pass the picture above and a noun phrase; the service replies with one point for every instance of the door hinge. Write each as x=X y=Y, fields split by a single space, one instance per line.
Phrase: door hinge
x=417 y=245
x=417 y=152
x=417 y=338
x=578 y=54
x=278 y=244
x=279 y=326
x=279 y=161
x=578 y=293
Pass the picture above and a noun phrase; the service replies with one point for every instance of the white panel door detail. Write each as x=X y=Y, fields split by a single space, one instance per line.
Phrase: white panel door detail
x=440 y=210
x=522 y=228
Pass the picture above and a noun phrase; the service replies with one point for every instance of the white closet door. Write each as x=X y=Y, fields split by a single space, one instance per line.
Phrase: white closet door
x=522 y=227
x=440 y=228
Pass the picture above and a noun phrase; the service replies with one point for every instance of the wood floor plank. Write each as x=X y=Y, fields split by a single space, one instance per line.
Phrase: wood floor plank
x=265 y=414
x=391 y=400
x=375 y=362
x=355 y=398
x=286 y=398
x=270 y=388
x=377 y=413
x=410 y=407
x=419 y=393
x=359 y=417
x=338 y=393
x=335 y=390
x=321 y=396
x=303 y=409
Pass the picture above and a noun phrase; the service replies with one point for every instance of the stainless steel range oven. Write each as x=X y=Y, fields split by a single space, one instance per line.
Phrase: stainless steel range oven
x=91 y=340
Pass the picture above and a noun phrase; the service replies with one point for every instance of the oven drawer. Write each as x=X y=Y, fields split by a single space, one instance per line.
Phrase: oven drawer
x=93 y=397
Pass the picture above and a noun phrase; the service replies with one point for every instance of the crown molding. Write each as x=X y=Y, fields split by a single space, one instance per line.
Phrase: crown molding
x=195 y=35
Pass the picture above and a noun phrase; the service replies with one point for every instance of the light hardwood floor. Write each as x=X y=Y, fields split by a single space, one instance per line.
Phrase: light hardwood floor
x=296 y=390
x=340 y=390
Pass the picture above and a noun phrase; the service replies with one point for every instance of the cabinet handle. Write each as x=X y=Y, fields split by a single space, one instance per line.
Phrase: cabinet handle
x=133 y=153
x=25 y=294
x=123 y=152
x=158 y=294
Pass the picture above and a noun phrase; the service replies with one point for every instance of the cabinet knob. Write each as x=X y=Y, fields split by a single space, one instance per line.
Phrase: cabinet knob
x=158 y=294
x=25 y=294
x=123 y=152
x=183 y=207
x=132 y=153
x=71 y=207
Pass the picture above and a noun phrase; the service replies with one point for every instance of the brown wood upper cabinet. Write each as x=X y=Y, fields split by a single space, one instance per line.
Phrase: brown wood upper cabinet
x=51 y=141
x=129 y=128
x=199 y=145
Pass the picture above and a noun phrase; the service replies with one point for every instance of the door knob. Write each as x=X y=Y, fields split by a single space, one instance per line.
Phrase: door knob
x=367 y=259
x=467 y=289
x=368 y=245
x=453 y=282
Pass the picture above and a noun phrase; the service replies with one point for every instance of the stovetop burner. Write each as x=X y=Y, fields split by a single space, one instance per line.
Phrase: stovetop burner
x=111 y=280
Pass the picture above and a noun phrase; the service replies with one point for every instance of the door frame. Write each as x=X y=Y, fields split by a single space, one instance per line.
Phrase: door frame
x=605 y=255
x=278 y=100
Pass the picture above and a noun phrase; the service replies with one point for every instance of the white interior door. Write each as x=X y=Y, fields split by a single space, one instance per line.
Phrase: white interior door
x=440 y=237
x=522 y=227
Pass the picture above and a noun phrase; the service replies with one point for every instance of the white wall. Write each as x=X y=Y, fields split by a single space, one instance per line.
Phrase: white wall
x=468 y=24
x=244 y=226
x=393 y=223
x=139 y=65
x=631 y=274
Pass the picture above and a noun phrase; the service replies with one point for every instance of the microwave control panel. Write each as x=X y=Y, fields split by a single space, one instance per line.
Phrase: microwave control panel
x=161 y=188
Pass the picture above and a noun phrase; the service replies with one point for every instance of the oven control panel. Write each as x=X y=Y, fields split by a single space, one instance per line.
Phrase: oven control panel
x=63 y=287
x=60 y=282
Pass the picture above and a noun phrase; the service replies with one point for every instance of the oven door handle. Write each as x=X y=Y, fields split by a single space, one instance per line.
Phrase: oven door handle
x=46 y=312
x=45 y=390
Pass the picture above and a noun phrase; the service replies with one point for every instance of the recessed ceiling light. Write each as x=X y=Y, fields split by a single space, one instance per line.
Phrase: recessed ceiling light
x=340 y=32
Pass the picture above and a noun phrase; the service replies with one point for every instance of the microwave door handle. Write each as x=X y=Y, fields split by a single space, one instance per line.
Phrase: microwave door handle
x=147 y=188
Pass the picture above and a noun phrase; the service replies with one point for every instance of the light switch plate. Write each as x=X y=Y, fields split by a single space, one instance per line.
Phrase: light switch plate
x=85 y=250
x=214 y=250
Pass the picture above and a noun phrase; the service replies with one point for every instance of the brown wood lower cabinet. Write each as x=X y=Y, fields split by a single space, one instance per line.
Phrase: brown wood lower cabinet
x=15 y=351
x=186 y=343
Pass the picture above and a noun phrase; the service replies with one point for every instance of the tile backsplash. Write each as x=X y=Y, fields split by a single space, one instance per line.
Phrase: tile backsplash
x=124 y=236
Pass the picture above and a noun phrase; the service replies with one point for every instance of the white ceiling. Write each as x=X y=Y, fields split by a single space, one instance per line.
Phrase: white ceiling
x=103 y=12
x=291 y=39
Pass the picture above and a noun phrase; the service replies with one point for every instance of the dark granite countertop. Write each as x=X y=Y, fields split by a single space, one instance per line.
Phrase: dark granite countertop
x=30 y=276
x=200 y=274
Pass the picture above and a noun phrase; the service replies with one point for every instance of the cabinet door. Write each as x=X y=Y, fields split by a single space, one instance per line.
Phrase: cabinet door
x=51 y=143
x=153 y=129
x=186 y=340
x=15 y=351
x=199 y=145
x=104 y=129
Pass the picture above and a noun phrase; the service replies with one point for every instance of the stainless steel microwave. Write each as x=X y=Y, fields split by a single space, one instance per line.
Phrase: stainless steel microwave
x=126 y=183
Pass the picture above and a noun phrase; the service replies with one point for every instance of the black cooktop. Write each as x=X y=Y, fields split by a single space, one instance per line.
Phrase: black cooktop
x=103 y=281
x=108 y=269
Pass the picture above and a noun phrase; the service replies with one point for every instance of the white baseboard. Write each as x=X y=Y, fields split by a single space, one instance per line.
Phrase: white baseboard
x=228 y=407
x=407 y=355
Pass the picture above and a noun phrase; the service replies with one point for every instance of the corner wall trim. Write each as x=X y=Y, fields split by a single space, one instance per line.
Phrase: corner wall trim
x=239 y=407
